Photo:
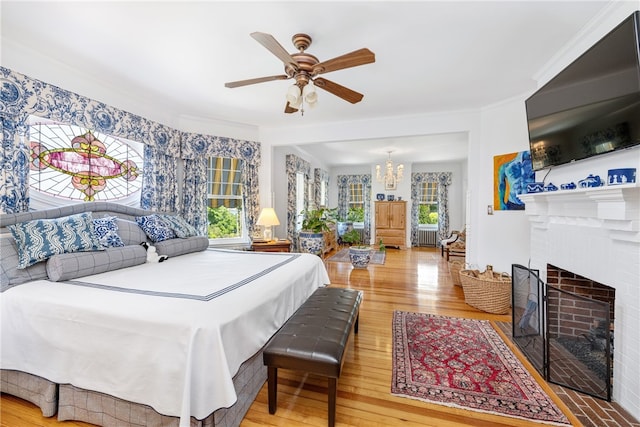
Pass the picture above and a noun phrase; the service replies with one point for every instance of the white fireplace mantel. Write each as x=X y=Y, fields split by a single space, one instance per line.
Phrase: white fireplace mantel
x=615 y=208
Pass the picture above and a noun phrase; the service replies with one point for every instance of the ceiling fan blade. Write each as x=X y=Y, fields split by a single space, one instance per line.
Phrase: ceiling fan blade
x=353 y=59
x=338 y=90
x=268 y=41
x=256 y=80
x=289 y=109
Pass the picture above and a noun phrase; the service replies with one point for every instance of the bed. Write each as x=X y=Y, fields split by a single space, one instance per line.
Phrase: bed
x=171 y=343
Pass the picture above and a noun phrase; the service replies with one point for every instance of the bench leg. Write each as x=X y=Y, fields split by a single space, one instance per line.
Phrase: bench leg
x=272 y=385
x=355 y=326
x=333 y=386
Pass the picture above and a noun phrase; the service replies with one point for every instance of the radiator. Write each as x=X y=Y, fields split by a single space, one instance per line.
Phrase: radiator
x=427 y=237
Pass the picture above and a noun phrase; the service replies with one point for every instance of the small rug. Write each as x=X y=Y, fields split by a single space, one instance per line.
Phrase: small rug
x=465 y=364
x=377 y=257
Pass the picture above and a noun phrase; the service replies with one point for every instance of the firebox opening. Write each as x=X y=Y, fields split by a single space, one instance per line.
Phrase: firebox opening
x=580 y=319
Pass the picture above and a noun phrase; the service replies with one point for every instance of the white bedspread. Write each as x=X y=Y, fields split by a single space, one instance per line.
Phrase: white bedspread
x=170 y=335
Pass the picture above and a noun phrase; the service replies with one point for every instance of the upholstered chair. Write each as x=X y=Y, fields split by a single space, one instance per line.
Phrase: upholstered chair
x=454 y=244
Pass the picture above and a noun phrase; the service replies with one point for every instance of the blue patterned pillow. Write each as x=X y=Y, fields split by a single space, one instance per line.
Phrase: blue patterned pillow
x=40 y=239
x=155 y=228
x=180 y=226
x=106 y=231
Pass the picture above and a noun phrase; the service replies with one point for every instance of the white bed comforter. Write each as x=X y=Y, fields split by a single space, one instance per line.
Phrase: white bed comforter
x=170 y=335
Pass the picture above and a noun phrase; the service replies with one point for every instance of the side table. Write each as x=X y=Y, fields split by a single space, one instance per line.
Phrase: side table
x=272 y=246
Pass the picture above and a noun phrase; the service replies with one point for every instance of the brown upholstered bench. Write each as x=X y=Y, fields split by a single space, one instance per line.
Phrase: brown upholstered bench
x=314 y=340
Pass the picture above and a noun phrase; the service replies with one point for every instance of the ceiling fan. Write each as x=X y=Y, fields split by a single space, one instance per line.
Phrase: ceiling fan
x=305 y=68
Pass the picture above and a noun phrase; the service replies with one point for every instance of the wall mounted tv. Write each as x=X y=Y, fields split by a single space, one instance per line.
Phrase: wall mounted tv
x=591 y=107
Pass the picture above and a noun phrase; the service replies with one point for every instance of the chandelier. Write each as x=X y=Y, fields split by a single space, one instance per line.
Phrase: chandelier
x=389 y=178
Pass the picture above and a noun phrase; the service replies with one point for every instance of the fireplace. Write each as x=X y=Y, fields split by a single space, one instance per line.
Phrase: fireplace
x=594 y=233
x=565 y=328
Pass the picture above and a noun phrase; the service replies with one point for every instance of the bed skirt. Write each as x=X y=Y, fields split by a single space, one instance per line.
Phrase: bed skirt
x=42 y=393
x=73 y=403
x=104 y=410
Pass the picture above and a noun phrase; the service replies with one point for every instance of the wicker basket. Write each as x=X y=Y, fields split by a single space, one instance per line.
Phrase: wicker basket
x=454 y=269
x=487 y=291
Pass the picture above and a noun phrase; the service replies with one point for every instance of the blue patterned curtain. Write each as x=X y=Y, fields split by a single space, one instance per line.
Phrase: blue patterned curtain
x=444 y=180
x=195 y=193
x=196 y=149
x=251 y=196
x=343 y=198
x=14 y=164
x=159 y=182
x=22 y=96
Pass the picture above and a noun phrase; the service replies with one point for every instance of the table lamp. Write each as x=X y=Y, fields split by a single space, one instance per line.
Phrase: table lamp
x=268 y=218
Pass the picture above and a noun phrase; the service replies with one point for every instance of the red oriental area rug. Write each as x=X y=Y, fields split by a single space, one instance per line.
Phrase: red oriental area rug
x=464 y=363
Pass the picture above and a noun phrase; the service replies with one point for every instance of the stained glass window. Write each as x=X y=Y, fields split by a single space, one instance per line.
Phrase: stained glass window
x=75 y=163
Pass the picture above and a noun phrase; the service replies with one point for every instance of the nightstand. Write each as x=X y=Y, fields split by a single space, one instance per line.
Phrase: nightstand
x=272 y=246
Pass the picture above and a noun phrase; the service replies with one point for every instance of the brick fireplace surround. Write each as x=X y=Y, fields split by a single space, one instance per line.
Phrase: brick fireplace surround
x=595 y=233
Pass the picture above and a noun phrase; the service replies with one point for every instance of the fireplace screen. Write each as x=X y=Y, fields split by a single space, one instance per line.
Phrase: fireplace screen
x=528 y=315
x=566 y=337
x=579 y=342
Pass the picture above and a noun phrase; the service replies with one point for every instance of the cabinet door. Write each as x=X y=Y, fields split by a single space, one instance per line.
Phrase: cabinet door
x=383 y=215
x=397 y=215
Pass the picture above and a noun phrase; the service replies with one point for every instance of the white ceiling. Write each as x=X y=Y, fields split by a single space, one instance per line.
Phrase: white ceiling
x=431 y=56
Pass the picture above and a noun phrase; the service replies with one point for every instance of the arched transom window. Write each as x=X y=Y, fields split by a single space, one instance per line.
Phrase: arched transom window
x=75 y=163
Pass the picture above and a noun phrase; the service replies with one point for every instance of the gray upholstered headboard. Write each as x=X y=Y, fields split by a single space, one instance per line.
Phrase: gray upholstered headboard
x=77 y=264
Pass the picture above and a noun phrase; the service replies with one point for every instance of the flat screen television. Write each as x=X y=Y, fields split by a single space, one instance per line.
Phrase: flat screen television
x=591 y=107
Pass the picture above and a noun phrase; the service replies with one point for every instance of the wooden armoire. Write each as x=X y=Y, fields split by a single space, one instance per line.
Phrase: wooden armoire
x=391 y=223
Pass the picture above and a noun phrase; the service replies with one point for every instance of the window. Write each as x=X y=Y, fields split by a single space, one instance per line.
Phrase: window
x=324 y=199
x=428 y=203
x=225 y=209
x=311 y=203
x=77 y=164
x=320 y=187
x=355 y=206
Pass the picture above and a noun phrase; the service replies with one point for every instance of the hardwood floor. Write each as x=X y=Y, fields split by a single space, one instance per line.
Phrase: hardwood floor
x=412 y=280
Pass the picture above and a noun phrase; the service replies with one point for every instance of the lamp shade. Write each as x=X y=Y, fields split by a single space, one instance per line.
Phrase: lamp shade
x=309 y=94
x=268 y=217
x=294 y=95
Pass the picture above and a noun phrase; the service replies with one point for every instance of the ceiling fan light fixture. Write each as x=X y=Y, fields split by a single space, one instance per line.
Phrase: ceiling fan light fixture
x=297 y=104
x=294 y=96
x=309 y=94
